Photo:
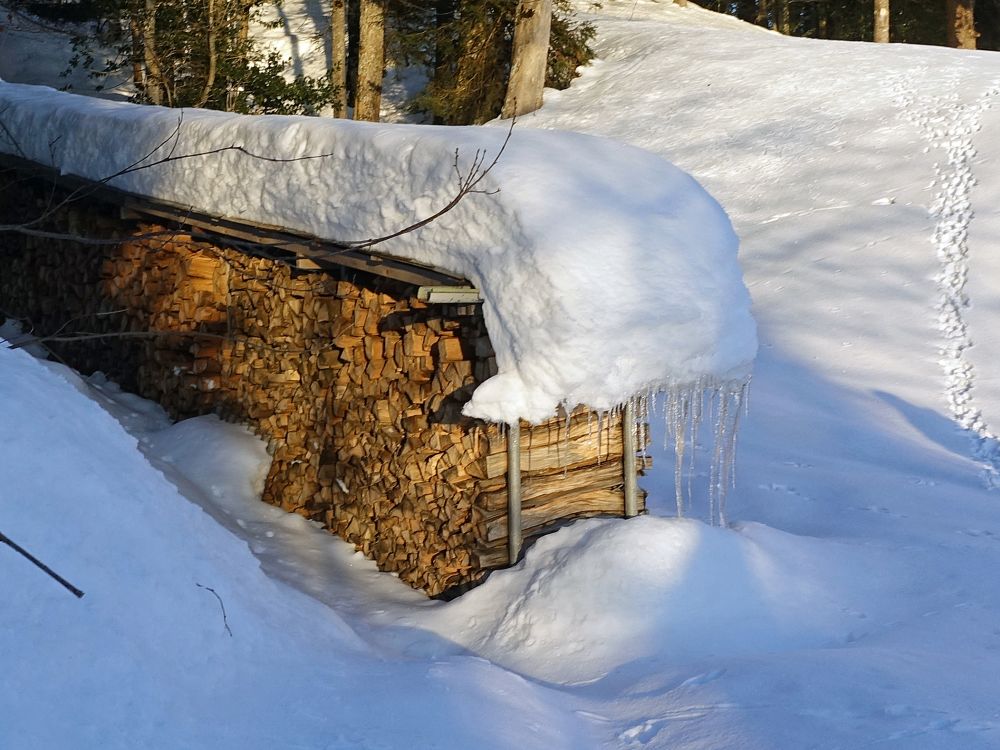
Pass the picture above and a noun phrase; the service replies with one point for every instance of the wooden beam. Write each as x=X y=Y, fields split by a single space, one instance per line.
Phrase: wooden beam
x=513 y=525
x=628 y=454
x=265 y=237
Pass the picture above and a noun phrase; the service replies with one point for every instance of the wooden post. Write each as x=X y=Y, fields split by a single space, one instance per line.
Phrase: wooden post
x=514 y=538
x=629 y=449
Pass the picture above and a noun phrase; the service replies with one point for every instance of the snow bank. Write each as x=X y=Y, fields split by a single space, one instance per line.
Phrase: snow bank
x=606 y=271
x=181 y=640
x=600 y=594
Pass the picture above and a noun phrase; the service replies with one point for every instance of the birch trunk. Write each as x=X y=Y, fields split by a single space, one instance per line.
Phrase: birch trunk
x=881 y=21
x=529 y=57
x=213 y=56
x=371 y=59
x=961 y=25
x=338 y=55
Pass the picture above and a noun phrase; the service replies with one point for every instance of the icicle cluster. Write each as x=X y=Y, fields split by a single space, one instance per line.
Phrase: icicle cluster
x=686 y=409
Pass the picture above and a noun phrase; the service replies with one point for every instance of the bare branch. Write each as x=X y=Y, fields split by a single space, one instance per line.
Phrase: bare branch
x=10 y=136
x=467 y=185
x=79 y=336
x=42 y=566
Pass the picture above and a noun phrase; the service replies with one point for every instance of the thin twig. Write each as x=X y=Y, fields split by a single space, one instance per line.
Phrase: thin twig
x=225 y=620
x=142 y=163
x=10 y=136
x=154 y=333
x=466 y=186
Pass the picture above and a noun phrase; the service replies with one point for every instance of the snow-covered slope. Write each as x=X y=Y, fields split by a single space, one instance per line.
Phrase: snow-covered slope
x=181 y=640
x=38 y=52
x=853 y=603
x=862 y=182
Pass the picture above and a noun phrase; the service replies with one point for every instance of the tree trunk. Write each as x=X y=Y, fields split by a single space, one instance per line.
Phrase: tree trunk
x=371 y=60
x=213 y=55
x=746 y=10
x=155 y=86
x=138 y=71
x=881 y=21
x=823 y=21
x=784 y=18
x=444 y=55
x=763 y=12
x=338 y=55
x=243 y=29
x=961 y=26
x=529 y=57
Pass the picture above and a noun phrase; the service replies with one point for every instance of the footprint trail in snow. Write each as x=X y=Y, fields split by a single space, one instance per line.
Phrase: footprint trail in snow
x=949 y=125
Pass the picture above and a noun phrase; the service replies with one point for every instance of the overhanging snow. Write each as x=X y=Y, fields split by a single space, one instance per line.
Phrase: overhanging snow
x=605 y=271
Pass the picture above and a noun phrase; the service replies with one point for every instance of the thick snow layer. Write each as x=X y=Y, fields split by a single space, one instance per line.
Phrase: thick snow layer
x=605 y=270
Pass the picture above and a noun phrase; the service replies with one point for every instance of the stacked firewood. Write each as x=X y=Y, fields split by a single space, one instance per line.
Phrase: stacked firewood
x=570 y=468
x=356 y=386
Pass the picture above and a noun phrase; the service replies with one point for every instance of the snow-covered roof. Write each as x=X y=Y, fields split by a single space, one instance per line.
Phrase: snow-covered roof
x=605 y=270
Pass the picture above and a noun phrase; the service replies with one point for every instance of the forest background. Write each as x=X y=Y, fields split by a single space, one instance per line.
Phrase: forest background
x=478 y=59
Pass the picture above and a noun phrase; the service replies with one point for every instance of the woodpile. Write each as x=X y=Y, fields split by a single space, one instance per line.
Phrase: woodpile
x=570 y=468
x=356 y=386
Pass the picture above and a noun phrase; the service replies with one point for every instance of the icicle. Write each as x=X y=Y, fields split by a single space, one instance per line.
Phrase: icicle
x=642 y=424
x=716 y=491
x=565 y=454
x=679 y=468
x=685 y=407
x=697 y=397
x=600 y=432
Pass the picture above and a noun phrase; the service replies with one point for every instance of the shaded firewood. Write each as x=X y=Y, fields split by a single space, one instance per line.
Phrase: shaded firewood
x=355 y=386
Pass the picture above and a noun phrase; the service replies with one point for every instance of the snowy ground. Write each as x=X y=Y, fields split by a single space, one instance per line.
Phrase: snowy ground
x=851 y=605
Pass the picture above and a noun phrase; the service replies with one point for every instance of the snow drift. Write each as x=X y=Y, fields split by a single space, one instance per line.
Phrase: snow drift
x=606 y=271
x=181 y=640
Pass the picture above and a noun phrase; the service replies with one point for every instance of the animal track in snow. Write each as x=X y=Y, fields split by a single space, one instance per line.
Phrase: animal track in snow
x=784 y=488
x=985 y=533
x=949 y=125
x=704 y=678
x=643 y=733
x=880 y=509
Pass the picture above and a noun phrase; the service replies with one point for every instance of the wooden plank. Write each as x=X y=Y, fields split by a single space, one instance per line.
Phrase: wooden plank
x=322 y=252
x=540 y=489
x=558 y=509
x=559 y=456
x=583 y=426
x=493 y=554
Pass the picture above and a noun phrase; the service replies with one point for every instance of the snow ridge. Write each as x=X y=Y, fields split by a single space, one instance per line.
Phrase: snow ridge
x=950 y=125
